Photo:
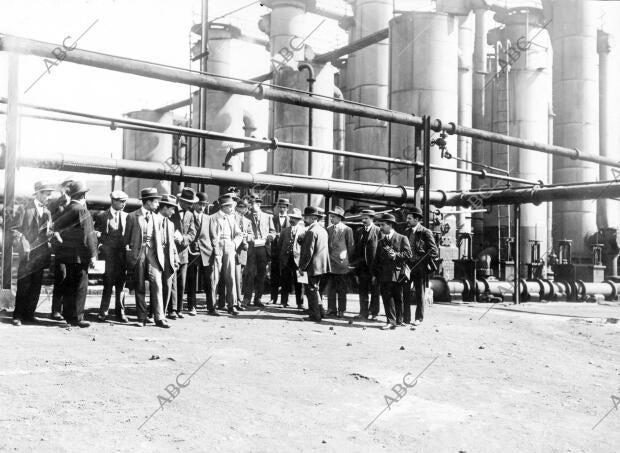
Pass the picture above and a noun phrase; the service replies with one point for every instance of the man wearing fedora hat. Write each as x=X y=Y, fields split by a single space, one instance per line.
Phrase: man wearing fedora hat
x=290 y=252
x=77 y=250
x=145 y=255
x=424 y=253
x=184 y=234
x=32 y=229
x=366 y=239
x=166 y=209
x=314 y=260
x=280 y=222
x=225 y=237
x=341 y=244
x=242 y=251
x=110 y=227
x=393 y=251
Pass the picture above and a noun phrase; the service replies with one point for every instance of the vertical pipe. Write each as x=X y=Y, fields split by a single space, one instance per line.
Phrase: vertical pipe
x=12 y=136
x=605 y=217
x=517 y=293
x=204 y=39
x=427 y=170
x=311 y=80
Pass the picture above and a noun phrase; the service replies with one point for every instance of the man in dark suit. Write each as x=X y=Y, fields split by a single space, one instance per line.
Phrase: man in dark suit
x=185 y=234
x=166 y=209
x=200 y=256
x=290 y=252
x=393 y=251
x=259 y=250
x=32 y=229
x=145 y=256
x=110 y=227
x=366 y=239
x=340 y=250
x=280 y=221
x=242 y=251
x=424 y=253
x=57 y=207
x=314 y=260
x=77 y=250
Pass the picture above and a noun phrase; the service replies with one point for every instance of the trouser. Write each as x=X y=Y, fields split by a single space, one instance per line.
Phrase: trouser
x=148 y=268
x=323 y=281
x=224 y=270
x=207 y=272
x=196 y=269
x=29 y=279
x=60 y=272
x=74 y=289
x=337 y=289
x=255 y=272
x=392 y=295
x=275 y=279
x=365 y=286
x=239 y=280
x=114 y=278
x=314 y=299
x=414 y=295
x=288 y=278
x=178 y=289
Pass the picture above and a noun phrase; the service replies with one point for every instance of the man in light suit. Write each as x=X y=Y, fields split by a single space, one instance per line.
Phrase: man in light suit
x=169 y=235
x=263 y=232
x=280 y=221
x=366 y=239
x=110 y=228
x=199 y=265
x=145 y=256
x=225 y=237
x=341 y=246
x=185 y=234
x=424 y=253
x=389 y=269
x=290 y=251
x=314 y=260
x=32 y=228
x=242 y=251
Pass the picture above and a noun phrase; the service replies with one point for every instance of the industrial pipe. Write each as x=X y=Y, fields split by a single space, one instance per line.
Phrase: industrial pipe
x=180 y=75
x=311 y=79
x=366 y=41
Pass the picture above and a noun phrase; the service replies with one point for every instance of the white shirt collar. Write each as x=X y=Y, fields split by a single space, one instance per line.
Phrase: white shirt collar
x=389 y=236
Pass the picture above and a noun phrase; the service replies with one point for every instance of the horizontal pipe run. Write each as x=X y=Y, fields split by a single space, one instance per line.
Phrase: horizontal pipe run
x=179 y=75
x=361 y=43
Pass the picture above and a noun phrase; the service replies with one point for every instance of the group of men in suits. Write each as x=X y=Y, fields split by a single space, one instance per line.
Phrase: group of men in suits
x=173 y=242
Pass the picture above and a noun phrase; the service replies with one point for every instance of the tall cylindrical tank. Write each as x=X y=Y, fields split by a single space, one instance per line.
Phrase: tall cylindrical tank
x=575 y=100
x=424 y=81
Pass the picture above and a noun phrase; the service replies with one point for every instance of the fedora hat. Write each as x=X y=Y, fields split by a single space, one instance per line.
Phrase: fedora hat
x=68 y=180
x=149 y=193
x=415 y=211
x=312 y=210
x=226 y=200
x=188 y=195
x=202 y=197
x=295 y=214
x=41 y=186
x=76 y=187
x=169 y=200
x=119 y=195
x=284 y=201
x=368 y=212
x=338 y=211
x=386 y=218
x=232 y=189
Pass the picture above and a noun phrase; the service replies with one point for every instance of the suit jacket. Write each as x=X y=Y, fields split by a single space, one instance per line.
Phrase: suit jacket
x=365 y=246
x=185 y=224
x=263 y=228
x=171 y=255
x=216 y=225
x=77 y=231
x=341 y=246
x=422 y=242
x=314 y=257
x=134 y=239
x=57 y=206
x=246 y=227
x=102 y=226
x=36 y=232
x=201 y=248
x=291 y=245
x=388 y=269
x=275 y=244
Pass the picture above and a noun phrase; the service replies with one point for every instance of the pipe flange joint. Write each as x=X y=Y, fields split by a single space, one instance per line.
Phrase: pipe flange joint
x=439 y=126
x=614 y=291
x=483 y=174
x=260 y=92
x=403 y=190
x=112 y=125
x=274 y=144
x=577 y=154
x=534 y=193
x=541 y=183
x=451 y=130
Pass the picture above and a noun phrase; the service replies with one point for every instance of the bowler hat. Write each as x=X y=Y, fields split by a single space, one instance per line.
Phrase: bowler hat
x=202 y=197
x=149 y=193
x=226 y=200
x=41 y=186
x=368 y=212
x=386 y=218
x=284 y=201
x=312 y=210
x=119 y=195
x=169 y=200
x=415 y=211
x=338 y=211
x=232 y=189
x=76 y=188
x=188 y=194
x=295 y=214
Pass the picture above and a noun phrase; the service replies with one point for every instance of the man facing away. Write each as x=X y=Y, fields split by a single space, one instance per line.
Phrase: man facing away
x=366 y=239
x=314 y=260
x=393 y=251
x=110 y=228
x=290 y=252
x=341 y=246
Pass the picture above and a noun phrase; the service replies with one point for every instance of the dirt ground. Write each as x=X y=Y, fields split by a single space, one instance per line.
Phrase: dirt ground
x=533 y=378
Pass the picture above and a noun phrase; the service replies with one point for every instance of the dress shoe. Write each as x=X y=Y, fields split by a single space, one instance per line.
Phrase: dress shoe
x=258 y=303
x=101 y=318
x=56 y=316
x=401 y=324
x=180 y=315
x=81 y=324
x=17 y=322
x=163 y=324
x=284 y=305
x=240 y=308
x=213 y=313
x=233 y=311
x=300 y=307
x=373 y=318
x=361 y=318
x=388 y=327
x=123 y=319
x=149 y=320
x=331 y=313
x=340 y=314
x=311 y=318
x=172 y=315
x=192 y=312
x=417 y=322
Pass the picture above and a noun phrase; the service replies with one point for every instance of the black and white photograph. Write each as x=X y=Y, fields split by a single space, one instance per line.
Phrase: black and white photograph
x=310 y=226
